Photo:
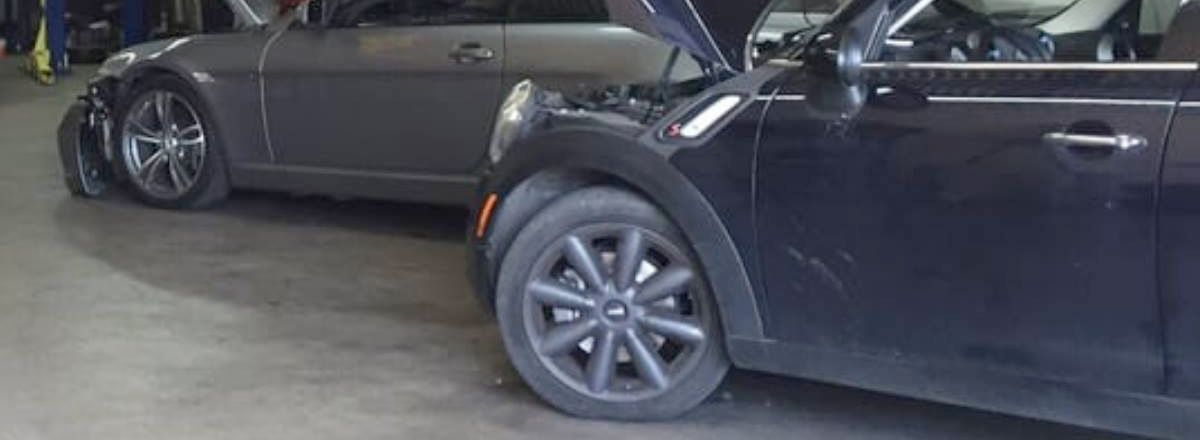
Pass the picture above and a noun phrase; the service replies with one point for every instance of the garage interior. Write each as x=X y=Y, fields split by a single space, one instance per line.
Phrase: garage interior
x=282 y=316
x=288 y=317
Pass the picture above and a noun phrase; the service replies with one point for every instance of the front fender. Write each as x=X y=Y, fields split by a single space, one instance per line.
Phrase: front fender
x=223 y=72
x=600 y=155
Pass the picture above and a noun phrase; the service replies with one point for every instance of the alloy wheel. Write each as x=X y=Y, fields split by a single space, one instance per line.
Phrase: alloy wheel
x=615 y=312
x=164 y=144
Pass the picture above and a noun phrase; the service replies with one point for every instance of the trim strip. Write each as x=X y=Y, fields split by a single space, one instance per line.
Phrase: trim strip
x=1049 y=100
x=1113 y=67
x=785 y=63
x=262 y=91
x=1021 y=100
x=788 y=97
x=1190 y=104
x=342 y=172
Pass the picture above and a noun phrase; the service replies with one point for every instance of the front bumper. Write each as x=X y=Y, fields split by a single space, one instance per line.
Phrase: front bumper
x=80 y=152
x=84 y=145
x=481 y=260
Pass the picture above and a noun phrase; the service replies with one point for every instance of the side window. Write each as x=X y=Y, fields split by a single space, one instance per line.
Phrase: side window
x=1030 y=31
x=557 y=11
x=376 y=13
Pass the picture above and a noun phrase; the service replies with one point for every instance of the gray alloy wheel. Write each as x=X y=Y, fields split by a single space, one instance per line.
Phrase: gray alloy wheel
x=605 y=311
x=164 y=144
x=610 y=312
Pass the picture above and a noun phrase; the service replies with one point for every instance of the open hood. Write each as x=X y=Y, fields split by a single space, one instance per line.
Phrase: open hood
x=715 y=30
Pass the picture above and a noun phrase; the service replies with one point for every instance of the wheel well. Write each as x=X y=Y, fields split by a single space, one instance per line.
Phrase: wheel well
x=736 y=302
x=141 y=75
x=543 y=173
x=535 y=193
x=130 y=82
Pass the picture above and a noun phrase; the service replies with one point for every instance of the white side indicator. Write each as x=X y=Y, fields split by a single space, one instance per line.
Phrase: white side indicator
x=703 y=121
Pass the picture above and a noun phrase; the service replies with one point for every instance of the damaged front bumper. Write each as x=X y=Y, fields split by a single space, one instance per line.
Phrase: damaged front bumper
x=85 y=143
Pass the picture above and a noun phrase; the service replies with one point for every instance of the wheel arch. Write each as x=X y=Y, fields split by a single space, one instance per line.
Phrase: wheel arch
x=553 y=164
x=130 y=79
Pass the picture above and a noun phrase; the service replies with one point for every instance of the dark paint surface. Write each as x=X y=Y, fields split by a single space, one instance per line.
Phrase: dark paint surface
x=724 y=172
x=1179 y=248
x=950 y=233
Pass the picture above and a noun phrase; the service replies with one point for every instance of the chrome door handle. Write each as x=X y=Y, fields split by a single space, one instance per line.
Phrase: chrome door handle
x=470 y=53
x=1121 y=142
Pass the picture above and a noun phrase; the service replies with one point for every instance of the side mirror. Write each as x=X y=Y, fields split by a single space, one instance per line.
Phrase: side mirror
x=836 y=89
x=835 y=59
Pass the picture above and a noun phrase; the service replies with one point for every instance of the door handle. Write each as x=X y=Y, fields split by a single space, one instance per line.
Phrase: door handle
x=471 y=53
x=1119 y=142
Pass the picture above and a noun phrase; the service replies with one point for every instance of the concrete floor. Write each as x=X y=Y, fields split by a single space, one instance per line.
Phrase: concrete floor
x=282 y=317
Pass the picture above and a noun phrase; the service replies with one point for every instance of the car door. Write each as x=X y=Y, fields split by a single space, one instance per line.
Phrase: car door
x=389 y=86
x=1179 y=213
x=984 y=208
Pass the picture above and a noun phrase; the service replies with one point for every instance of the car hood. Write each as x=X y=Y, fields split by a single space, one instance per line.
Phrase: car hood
x=715 y=30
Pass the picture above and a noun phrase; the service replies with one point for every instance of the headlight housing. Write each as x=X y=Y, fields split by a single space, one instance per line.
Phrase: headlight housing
x=115 y=64
x=518 y=107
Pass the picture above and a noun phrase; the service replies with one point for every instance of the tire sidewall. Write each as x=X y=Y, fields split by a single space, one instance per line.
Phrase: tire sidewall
x=581 y=208
x=212 y=184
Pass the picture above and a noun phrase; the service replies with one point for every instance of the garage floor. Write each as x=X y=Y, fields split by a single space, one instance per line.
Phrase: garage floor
x=282 y=317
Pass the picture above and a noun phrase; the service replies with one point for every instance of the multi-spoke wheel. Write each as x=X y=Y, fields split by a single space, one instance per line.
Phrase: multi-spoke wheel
x=604 y=311
x=169 y=155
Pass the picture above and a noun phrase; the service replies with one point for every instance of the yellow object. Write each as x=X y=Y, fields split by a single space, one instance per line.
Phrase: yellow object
x=39 y=57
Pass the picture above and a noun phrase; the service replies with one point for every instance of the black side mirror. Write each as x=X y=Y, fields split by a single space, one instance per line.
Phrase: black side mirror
x=835 y=87
x=835 y=60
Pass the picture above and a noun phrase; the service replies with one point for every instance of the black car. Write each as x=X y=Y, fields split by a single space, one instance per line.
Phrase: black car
x=987 y=203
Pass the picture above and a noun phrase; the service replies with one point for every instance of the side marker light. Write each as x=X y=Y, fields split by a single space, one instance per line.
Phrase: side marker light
x=485 y=215
x=705 y=120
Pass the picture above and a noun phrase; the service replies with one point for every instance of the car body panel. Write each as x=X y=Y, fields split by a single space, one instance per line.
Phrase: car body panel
x=1179 y=247
x=381 y=98
x=1178 y=237
x=222 y=70
x=951 y=233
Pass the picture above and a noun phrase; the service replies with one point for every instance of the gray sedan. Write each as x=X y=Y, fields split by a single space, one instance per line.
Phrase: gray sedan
x=386 y=99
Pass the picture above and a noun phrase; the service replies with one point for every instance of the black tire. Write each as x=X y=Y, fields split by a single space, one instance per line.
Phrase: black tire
x=698 y=372
x=85 y=172
x=211 y=186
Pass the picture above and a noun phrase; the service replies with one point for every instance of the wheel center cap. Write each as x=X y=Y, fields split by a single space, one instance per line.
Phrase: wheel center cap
x=616 y=311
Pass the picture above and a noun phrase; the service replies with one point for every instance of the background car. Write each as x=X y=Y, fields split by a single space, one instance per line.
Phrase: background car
x=388 y=99
x=984 y=203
